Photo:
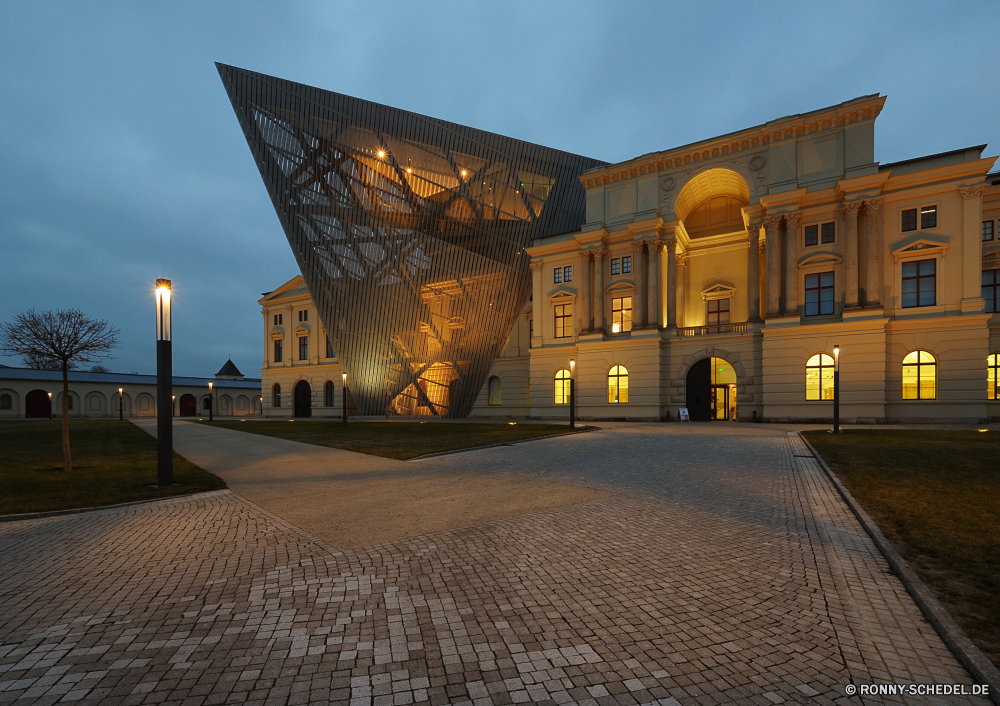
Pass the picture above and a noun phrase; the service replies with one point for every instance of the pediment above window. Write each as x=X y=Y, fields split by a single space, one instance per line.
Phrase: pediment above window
x=991 y=254
x=620 y=287
x=718 y=291
x=820 y=258
x=277 y=333
x=562 y=295
x=920 y=245
x=302 y=331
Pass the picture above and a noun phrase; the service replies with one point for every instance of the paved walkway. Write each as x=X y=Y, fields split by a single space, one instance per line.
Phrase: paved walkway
x=726 y=570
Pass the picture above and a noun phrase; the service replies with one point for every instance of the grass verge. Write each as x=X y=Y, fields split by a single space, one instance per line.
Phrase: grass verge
x=399 y=440
x=113 y=462
x=936 y=496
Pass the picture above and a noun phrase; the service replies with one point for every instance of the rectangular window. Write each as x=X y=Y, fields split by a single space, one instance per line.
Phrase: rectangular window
x=987 y=230
x=819 y=294
x=928 y=217
x=277 y=350
x=557 y=275
x=909 y=221
x=812 y=235
x=303 y=347
x=329 y=349
x=627 y=265
x=919 y=283
x=304 y=315
x=718 y=312
x=568 y=273
x=621 y=314
x=991 y=290
x=277 y=319
x=828 y=232
x=564 y=324
x=616 y=266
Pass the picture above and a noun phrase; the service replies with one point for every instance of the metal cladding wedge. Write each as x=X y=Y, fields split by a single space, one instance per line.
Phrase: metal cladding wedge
x=409 y=231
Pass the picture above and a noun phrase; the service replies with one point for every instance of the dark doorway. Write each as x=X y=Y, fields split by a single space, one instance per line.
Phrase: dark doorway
x=37 y=405
x=303 y=399
x=189 y=406
x=699 y=391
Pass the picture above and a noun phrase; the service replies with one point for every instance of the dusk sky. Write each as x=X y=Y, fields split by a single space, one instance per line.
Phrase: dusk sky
x=121 y=159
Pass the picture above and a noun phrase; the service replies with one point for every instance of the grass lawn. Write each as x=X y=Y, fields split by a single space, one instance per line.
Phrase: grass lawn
x=936 y=496
x=401 y=440
x=113 y=462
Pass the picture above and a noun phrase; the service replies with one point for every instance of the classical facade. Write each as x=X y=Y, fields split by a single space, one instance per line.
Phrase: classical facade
x=30 y=393
x=720 y=276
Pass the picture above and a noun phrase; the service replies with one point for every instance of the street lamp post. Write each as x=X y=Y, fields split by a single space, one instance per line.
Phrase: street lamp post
x=164 y=386
x=343 y=378
x=211 y=401
x=836 y=389
x=121 y=413
x=173 y=406
x=572 y=394
x=50 y=406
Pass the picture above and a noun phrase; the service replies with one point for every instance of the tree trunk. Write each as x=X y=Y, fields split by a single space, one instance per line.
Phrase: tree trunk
x=67 y=459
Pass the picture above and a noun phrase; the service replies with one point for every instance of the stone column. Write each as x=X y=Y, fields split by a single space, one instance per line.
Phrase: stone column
x=536 y=304
x=850 y=212
x=638 y=305
x=587 y=319
x=972 y=247
x=753 y=271
x=599 y=290
x=773 y=274
x=791 y=264
x=682 y=260
x=672 y=283
x=653 y=284
x=873 y=253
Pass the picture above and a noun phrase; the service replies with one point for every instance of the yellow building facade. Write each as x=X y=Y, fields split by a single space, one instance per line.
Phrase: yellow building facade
x=718 y=277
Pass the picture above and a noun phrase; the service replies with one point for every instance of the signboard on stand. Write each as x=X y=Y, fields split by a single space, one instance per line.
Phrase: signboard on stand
x=685 y=417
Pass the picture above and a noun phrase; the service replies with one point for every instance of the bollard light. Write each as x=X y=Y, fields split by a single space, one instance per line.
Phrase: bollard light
x=164 y=386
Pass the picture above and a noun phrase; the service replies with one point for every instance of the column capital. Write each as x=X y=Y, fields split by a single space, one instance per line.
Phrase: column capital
x=537 y=266
x=753 y=226
x=850 y=208
x=599 y=254
x=637 y=246
x=682 y=258
x=771 y=222
x=653 y=245
x=671 y=245
x=972 y=192
x=873 y=205
x=791 y=219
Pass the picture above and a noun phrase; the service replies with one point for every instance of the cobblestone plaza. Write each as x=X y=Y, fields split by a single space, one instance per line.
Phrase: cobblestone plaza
x=724 y=569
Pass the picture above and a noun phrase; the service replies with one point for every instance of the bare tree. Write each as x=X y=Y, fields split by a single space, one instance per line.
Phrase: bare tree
x=66 y=336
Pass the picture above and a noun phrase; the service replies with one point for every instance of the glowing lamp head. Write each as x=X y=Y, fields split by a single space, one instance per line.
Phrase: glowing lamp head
x=119 y=392
x=572 y=364
x=163 y=319
x=464 y=173
x=209 y=385
x=381 y=154
x=50 y=395
x=343 y=377
x=836 y=357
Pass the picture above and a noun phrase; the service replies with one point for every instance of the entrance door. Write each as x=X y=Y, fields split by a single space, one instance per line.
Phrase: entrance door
x=720 y=403
x=189 y=407
x=37 y=405
x=699 y=391
x=303 y=399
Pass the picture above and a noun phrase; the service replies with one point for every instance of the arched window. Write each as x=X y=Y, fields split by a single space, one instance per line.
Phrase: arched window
x=561 y=387
x=276 y=395
x=919 y=376
x=618 y=385
x=328 y=393
x=992 y=376
x=819 y=377
x=7 y=403
x=494 y=390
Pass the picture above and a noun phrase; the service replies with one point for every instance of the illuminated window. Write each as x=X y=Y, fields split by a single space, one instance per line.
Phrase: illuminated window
x=564 y=325
x=819 y=294
x=987 y=230
x=560 y=387
x=328 y=396
x=718 y=312
x=627 y=265
x=276 y=395
x=494 y=391
x=992 y=377
x=991 y=290
x=621 y=314
x=928 y=218
x=303 y=347
x=819 y=377
x=557 y=275
x=919 y=283
x=277 y=350
x=618 y=385
x=919 y=376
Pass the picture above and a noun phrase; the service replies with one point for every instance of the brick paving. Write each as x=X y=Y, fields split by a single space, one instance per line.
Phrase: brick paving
x=725 y=570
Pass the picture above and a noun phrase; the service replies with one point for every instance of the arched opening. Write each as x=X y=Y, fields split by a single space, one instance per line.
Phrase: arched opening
x=494 y=392
x=711 y=391
x=37 y=405
x=919 y=376
x=328 y=397
x=276 y=395
x=712 y=203
x=189 y=408
x=560 y=387
x=303 y=399
x=618 y=385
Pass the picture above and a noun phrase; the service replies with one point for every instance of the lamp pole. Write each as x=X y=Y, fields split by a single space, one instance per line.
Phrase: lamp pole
x=572 y=394
x=164 y=386
x=173 y=407
x=343 y=378
x=836 y=389
x=50 y=406
x=121 y=413
x=211 y=401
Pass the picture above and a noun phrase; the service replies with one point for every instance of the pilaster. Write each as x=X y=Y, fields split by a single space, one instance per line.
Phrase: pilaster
x=753 y=271
x=537 y=306
x=849 y=212
x=972 y=248
x=873 y=253
x=773 y=274
x=791 y=263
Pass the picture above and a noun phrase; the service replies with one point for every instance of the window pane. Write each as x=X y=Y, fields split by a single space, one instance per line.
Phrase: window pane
x=828 y=383
x=926 y=267
x=987 y=277
x=812 y=383
x=828 y=232
x=909 y=269
x=987 y=230
x=557 y=275
x=911 y=357
x=910 y=382
x=812 y=303
x=826 y=279
x=623 y=389
x=927 y=378
x=909 y=219
x=626 y=264
x=812 y=281
x=568 y=273
x=928 y=217
x=615 y=265
x=812 y=235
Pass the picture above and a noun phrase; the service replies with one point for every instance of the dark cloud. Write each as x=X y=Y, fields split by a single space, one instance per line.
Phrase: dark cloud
x=122 y=160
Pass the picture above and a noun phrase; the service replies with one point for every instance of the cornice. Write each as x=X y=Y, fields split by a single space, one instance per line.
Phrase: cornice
x=741 y=142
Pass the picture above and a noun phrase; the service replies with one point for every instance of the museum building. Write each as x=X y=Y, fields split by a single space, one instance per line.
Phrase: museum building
x=719 y=276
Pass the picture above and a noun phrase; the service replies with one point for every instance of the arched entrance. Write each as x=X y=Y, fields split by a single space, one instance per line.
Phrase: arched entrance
x=37 y=405
x=189 y=406
x=303 y=399
x=711 y=391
